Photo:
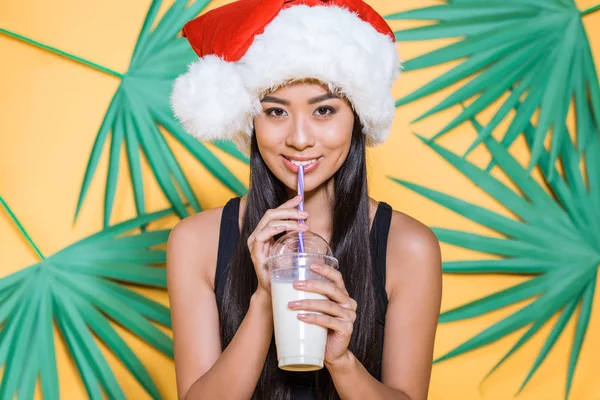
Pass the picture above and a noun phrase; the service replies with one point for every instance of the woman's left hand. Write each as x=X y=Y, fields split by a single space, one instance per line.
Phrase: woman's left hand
x=338 y=311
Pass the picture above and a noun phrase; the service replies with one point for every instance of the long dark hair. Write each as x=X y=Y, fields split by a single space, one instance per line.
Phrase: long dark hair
x=350 y=244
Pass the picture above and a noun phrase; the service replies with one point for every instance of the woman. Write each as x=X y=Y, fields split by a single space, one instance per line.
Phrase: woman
x=302 y=82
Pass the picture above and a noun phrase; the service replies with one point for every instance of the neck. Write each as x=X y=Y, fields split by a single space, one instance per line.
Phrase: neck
x=319 y=205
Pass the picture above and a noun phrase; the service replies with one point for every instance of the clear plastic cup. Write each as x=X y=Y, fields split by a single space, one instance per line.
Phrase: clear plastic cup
x=300 y=346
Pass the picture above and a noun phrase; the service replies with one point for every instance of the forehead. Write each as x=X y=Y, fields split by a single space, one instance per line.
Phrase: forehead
x=303 y=89
x=299 y=88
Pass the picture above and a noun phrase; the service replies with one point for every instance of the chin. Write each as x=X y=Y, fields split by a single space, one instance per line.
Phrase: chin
x=314 y=184
x=310 y=183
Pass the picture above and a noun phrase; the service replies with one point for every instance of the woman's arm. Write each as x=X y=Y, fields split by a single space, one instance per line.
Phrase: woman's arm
x=236 y=372
x=414 y=282
x=202 y=371
x=353 y=381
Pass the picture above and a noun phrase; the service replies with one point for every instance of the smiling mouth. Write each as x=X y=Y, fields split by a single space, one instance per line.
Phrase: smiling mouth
x=303 y=163
x=308 y=164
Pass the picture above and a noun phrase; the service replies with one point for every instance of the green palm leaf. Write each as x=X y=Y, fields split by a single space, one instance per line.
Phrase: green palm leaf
x=142 y=102
x=554 y=237
x=82 y=288
x=140 y=106
x=534 y=48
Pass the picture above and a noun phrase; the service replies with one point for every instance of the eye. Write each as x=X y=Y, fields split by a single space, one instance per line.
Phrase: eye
x=275 y=112
x=325 y=111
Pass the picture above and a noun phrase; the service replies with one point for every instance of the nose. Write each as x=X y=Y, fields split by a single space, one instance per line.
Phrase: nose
x=300 y=135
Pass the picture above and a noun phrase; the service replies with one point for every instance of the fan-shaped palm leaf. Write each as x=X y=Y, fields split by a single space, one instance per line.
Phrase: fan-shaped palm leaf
x=555 y=239
x=140 y=105
x=533 y=48
x=141 y=101
x=80 y=288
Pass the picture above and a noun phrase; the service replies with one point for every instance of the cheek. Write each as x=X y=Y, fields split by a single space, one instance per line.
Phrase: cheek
x=269 y=146
x=338 y=142
x=265 y=137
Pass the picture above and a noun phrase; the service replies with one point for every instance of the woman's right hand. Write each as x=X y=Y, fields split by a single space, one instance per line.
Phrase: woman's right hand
x=286 y=217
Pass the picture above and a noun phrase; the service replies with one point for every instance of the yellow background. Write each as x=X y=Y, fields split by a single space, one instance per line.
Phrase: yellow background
x=51 y=109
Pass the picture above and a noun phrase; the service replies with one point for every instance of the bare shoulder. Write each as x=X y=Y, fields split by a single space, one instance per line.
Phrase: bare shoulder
x=191 y=263
x=193 y=245
x=411 y=236
x=414 y=288
x=413 y=253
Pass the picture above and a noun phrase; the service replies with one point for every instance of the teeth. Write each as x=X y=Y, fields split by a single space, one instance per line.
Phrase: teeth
x=303 y=162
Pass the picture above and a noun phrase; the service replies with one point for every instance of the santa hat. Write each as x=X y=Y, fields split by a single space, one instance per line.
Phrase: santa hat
x=250 y=46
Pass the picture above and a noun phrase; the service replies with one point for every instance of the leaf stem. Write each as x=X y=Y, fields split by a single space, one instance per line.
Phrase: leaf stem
x=590 y=10
x=21 y=228
x=62 y=53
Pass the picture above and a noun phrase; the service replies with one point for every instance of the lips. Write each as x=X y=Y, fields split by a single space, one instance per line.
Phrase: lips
x=307 y=168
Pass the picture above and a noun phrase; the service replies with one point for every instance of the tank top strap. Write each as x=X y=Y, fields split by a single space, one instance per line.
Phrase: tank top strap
x=379 y=238
x=228 y=237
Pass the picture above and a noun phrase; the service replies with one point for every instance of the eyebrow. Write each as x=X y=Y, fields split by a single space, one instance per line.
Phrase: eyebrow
x=314 y=100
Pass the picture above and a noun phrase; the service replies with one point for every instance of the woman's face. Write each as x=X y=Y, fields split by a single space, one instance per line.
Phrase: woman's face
x=304 y=124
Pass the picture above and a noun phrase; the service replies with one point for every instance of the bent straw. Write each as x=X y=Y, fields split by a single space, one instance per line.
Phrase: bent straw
x=301 y=206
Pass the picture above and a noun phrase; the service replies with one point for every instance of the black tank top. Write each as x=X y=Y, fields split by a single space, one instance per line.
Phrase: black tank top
x=304 y=383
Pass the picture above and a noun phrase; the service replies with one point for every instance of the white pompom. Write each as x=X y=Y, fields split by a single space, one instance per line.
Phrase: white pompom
x=211 y=101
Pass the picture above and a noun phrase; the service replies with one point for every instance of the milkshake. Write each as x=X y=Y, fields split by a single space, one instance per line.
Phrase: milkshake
x=300 y=346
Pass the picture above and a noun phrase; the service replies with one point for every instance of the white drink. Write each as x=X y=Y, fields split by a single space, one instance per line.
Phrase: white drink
x=300 y=346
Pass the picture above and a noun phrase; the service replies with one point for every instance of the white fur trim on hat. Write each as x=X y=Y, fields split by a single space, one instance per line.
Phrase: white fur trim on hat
x=218 y=100
x=211 y=100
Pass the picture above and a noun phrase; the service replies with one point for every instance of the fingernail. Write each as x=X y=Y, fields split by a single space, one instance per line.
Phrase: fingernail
x=302 y=316
x=303 y=213
x=294 y=303
x=315 y=267
x=300 y=283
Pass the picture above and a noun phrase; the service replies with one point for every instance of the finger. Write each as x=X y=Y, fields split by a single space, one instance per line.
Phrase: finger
x=330 y=273
x=324 y=306
x=293 y=202
x=326 y=288
x=285 y=224
x=344 y=328
x=273 y=229
x=280 y=214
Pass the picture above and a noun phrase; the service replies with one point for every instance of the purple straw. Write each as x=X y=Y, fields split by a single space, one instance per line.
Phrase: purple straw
x=301 y=205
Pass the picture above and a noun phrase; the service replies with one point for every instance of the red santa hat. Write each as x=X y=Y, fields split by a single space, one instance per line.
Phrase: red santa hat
x=248 y=47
